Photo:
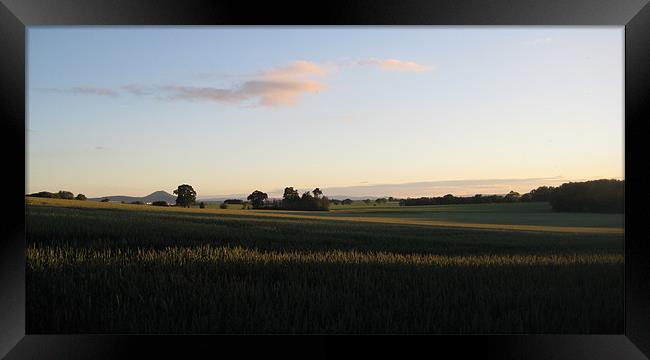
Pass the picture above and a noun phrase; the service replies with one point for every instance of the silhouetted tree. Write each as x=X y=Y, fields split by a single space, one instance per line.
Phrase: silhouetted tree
x=80 y=197
x=317 y=193
x=324 y=203
x=257 y=198
x=290 y=194
x=201 y=205
x=186 y=195
x=542 y=193
x=291 y=200
x=306 y=196
x=590 y=196
x=44 y=194
x=66 y=195
x=512 y=196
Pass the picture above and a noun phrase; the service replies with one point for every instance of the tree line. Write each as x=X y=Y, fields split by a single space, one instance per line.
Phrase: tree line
x=589 y=196
x=62 y=194
x=291 y=200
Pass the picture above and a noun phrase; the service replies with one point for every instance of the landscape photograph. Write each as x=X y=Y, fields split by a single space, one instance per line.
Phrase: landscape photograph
x=324 y=180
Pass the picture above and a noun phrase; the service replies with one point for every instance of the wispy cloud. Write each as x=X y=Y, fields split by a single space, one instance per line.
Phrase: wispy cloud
x=277 y=86
x=139 y=90
x=93 y=91
x=83 y=90
x=394 y=64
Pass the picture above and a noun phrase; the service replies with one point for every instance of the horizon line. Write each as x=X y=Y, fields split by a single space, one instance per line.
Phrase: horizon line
x=354 y=188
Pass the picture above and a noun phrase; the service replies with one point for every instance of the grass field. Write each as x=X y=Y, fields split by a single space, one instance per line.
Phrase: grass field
x=114 y=268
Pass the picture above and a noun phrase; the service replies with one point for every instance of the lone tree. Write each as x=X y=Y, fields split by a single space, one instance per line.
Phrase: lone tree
x=80 y=197
x=257 y=198
x=317 y=193
x=186 y=195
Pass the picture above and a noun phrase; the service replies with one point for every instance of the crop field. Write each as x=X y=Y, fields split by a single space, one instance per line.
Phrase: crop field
x=506 y=268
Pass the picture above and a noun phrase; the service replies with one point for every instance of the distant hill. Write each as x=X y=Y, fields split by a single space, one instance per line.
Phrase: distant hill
x=154 y=196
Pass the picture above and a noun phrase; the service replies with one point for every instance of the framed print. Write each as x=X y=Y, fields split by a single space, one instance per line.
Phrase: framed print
x=463 y=171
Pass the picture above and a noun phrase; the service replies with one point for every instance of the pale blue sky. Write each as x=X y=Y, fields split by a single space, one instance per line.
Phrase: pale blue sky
x=229 y=110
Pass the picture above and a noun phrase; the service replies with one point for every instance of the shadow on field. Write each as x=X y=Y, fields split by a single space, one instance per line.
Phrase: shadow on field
x=250 y=297
x=104 y=271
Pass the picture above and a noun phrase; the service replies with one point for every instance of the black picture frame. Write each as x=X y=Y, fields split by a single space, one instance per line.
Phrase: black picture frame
x=16 y=15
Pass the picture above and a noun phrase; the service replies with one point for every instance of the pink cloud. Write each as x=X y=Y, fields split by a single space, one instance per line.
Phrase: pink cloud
x=294 y=69
x=279 y=86
x=263 y=92
x=279 y=92
x=394 y=64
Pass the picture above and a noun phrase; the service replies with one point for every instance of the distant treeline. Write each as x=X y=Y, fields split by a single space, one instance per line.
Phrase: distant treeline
x=589 y=196
x=291 y=200
x=60 y=195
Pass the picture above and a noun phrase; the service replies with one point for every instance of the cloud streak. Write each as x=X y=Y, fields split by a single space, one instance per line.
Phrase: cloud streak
x=281 y=86
x=278 y=86
x=84 y=90
x=139 y=90
x=262 y=92
x=395 y=65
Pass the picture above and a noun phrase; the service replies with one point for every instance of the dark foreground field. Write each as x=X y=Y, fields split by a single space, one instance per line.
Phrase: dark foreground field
x=120 y=269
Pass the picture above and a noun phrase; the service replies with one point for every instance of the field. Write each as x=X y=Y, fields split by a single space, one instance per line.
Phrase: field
x=506 y=268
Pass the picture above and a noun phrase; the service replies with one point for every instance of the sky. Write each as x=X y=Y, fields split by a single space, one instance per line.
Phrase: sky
x=377 y=111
